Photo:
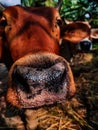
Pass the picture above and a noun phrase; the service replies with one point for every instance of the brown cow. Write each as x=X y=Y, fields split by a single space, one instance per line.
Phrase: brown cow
x=29 y=47
x=17 y=23
x=76 y=31
x=72 y=34
x=23 y=26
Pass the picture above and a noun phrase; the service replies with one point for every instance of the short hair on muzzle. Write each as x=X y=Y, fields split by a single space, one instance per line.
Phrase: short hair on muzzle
x=39 y=79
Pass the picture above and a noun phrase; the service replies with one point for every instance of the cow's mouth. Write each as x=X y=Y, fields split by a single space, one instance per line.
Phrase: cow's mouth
x=37 y=80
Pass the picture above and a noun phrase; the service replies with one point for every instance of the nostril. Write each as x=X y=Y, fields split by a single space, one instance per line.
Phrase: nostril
x=19 y=79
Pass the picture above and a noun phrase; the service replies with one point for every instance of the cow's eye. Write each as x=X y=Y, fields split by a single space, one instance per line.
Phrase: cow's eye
x=59 y=22
x=3 y=21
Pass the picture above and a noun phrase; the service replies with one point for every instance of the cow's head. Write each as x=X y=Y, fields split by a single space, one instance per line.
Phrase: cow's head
x=23 y=23
x=29 y=47
x=74 y=33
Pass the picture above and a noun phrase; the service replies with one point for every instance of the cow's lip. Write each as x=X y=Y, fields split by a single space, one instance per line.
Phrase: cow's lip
x=37 y=86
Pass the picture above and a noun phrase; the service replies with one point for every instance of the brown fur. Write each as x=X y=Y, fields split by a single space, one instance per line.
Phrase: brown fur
x=33 y=31
x=76 y=31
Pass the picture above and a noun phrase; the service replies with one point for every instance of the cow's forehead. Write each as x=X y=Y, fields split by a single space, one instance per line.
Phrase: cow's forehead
x=45 y=17
x=47 y=12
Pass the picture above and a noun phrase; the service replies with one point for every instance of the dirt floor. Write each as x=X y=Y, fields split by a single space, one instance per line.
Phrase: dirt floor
x=77 y=113
x=85 y=70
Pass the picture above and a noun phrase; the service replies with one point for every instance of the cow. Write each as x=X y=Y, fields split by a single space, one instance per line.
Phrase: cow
x=29 y=47
x=76 y=35
x=76 y=31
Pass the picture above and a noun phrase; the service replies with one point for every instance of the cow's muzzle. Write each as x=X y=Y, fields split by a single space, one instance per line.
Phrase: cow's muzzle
x=39 y=79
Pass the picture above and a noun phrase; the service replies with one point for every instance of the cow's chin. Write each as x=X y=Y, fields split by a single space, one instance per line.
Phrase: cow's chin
x=39 y=79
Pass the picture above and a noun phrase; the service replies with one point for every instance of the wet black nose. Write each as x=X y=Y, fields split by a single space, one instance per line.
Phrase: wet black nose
x=49 y=76
x=40 y=80
x=86 y=45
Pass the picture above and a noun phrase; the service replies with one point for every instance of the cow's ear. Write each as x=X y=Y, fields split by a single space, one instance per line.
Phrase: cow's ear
x=75 y=32
x=10 y=14
x=9 y=17
x=94 y=33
